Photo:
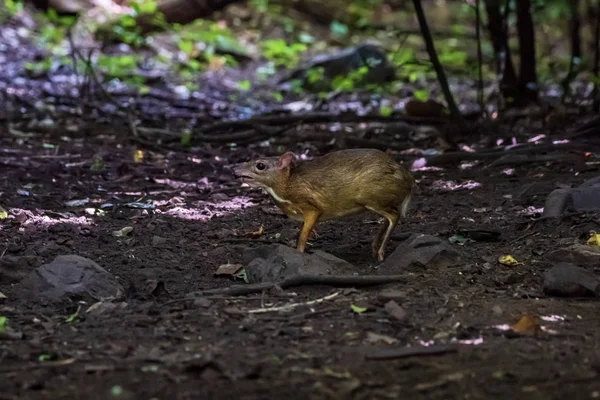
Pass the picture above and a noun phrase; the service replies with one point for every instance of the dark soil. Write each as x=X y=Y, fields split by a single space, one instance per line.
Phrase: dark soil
x=155 y=348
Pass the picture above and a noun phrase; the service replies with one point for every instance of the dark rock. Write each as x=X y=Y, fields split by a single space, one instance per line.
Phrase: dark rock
x=586 y=197
x=70 y=277
x=276 y=262
x=577 y=254
x=556 y=202
x=420 y=251
x=343 y=63
x=13 y=269
x=568 y=280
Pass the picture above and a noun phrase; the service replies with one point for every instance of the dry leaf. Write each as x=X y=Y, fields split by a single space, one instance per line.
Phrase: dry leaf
x=138 y=156
x=594 y=239
x=123 y=232
x=228 y=269
x=526 y=325
x=376 y=338
x=507 y=259
x=256 y=234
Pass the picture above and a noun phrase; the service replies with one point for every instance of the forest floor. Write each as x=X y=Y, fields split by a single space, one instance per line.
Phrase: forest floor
x=150 y=347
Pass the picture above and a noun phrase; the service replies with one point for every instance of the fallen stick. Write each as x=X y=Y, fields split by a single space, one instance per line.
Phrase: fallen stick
x=391 y=354
x=297 y=280
x=455 y=157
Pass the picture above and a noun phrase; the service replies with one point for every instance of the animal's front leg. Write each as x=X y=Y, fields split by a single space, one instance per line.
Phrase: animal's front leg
x=310 y=220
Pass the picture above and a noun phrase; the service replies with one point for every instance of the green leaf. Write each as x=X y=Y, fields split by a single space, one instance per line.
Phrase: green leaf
x=186 y=46
x=385 y=110
x=277 y=96
x=338 y=29
x=244 y=85
x=186 y=139
x=3 y=321
x=421 y=95
x=116 y=390
x=73 y=317
x=358 y=310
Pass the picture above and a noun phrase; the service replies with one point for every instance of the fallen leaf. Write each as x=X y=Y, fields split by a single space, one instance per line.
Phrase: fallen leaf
x=138 y=156
x=123 y=232
x=507 y=259
x=77 y=203
x=228 y=269
x=373 y=337
x=455 y=377
x=257 y=233
x=460 y=240
x=526 y=325
x=3 y=213
x=358 y=309
x=594 y=239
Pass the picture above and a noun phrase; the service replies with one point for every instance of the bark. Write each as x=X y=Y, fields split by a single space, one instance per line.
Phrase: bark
x=441 y=75
x=527 y=64
x=498 y=36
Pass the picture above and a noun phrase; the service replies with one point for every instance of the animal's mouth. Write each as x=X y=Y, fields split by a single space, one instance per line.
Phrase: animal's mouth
x=246 y=178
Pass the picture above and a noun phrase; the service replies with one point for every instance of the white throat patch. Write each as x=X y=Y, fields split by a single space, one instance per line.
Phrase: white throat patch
x=275 y=196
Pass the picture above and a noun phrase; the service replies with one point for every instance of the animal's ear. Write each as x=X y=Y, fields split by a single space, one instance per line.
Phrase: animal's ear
x=286 y=160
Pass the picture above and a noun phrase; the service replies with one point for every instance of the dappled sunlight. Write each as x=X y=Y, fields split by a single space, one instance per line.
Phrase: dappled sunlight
x=552 y=318
x=28 y=218
x=531 y=211
x=451 y=186
x=468 y=165
x=179 y=185
x=207 y=210
x=472 y=342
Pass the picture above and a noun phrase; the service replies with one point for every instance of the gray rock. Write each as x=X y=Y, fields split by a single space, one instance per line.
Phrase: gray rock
x=577 y=254
x=70 y=277
x=274 y=263
x=569 y=280
x=420 y=251
x=343 y=63
x=556 y=203
x=586 y=197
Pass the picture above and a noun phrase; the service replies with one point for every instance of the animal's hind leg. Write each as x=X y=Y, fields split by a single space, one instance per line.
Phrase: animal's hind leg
x=392 y=217
x=377 y=239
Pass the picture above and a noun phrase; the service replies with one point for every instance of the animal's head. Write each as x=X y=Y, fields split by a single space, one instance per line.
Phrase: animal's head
x=265 y=172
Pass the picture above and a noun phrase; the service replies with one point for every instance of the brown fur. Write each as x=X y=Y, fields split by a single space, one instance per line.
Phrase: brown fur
x=335 y=185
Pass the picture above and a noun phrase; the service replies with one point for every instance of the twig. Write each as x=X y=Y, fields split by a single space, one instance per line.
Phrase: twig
x=455 y=157
x=596 y=61
x=479 y=57
x=290 y=307
x=391 y=354
x=439 y=70
x=299 y=280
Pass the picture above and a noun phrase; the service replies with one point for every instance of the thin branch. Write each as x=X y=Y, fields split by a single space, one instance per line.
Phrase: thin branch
x=479 y=57
x=439 y=70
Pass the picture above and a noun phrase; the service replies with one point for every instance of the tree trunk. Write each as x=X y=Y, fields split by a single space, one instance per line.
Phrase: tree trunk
x=441 y=75
x=527 y=69
x=498 y=35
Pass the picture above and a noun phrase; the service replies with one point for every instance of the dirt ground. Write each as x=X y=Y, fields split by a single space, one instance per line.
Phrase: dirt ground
x=155 y=348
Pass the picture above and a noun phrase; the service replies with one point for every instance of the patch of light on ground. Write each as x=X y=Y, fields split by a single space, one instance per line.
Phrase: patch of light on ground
x=207 y=210
x=451 y=186
x=531 y=210
x=28 y=218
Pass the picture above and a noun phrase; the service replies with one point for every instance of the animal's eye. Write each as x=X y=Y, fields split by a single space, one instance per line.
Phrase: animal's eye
x=261 y=166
